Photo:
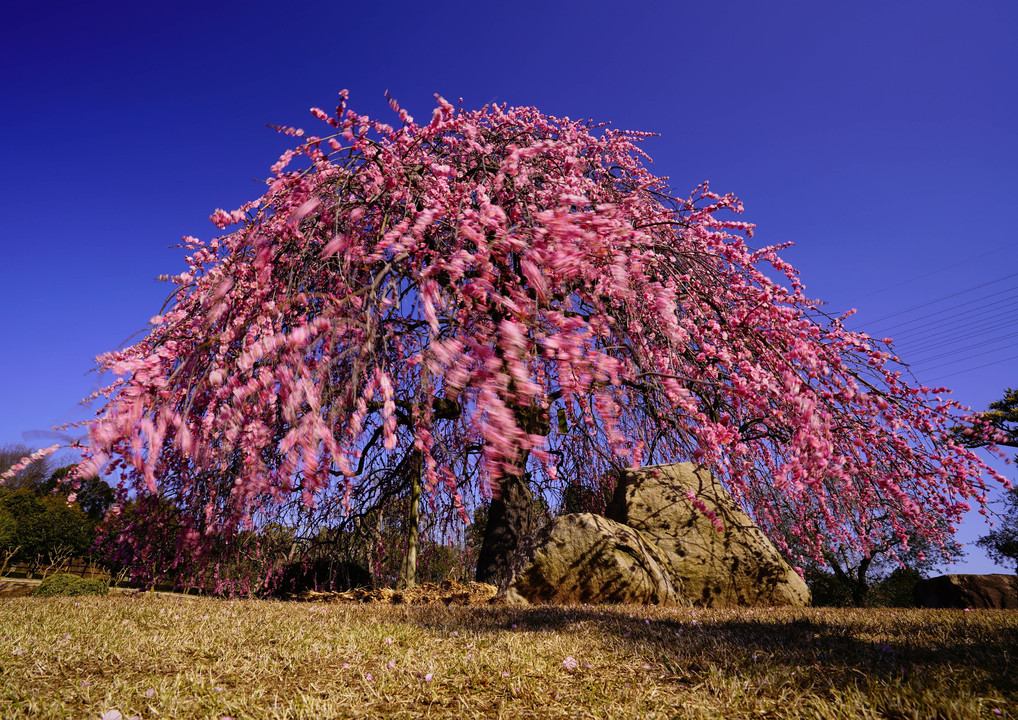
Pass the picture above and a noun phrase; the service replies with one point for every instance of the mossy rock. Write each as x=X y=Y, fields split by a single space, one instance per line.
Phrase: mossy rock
x=71 y=585
x=733 y=564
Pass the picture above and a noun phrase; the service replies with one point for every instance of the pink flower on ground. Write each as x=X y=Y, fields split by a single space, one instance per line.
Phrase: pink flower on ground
x=569 y=663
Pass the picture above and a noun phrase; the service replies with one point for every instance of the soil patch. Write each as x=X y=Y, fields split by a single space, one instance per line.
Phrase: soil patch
x=16 y=588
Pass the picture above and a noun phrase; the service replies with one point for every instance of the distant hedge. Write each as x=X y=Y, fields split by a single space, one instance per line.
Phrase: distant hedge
x=71 y=585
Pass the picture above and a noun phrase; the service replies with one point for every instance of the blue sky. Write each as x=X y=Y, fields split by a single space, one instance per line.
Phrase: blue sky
x=880 y=138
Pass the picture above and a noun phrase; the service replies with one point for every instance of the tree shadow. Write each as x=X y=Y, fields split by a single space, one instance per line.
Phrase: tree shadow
x=832 y=647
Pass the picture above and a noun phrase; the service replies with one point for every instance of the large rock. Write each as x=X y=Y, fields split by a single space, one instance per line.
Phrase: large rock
x=585 y=558
x=736 y=566
x=995 y=591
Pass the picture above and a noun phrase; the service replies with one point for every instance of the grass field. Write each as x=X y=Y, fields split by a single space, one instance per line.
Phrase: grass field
x=176 y=657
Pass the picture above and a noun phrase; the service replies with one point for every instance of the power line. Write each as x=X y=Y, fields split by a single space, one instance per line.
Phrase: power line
x=964 y=321
x=977 y=367
x=945 y=297
x=1006 y=246
x=913 y=362
x=914 y=321
x=986 y=322
x=967 y=358
x=927 y=341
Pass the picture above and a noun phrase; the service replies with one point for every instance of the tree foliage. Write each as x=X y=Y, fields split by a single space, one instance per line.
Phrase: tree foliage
x=1002 y=415
x=998 y=425
x=34 y=528
x=23 y=467
x=517 y=299
x=1001 y=544
x=92 y=494
x=39 y=519
x=846 y=577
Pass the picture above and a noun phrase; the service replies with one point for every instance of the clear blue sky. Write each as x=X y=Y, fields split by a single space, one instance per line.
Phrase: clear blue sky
x=880 y=137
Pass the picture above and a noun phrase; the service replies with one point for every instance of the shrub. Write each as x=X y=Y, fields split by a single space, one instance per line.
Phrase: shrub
x=71 y=585
x=323 y=575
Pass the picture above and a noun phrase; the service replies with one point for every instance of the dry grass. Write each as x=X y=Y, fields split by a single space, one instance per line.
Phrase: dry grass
x=175 y=657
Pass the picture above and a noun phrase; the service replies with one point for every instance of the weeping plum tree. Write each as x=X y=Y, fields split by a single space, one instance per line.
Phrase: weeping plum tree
x=504 y=300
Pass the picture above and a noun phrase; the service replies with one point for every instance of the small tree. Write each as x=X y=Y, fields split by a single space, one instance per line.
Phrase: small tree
x=9 y=544
x=999 y=424
x=847 y=577
x=141 y=540
x=511 y=302
x=1001 y=544
x=42 y=530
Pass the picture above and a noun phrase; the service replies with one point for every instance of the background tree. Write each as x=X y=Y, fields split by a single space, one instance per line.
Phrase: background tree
x=1001 y=544
x=881 y=577
x=40 y=521
x=92 y=494
x=1003 y=415
x=42 y=530
x=998 y=425
x=844 y=574
x=9 y=545
x=34 y=475
x=517 y=299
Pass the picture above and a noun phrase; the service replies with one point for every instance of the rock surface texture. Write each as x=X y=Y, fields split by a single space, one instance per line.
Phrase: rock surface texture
x=585 y=558
x=996 y=591
x=657 y=544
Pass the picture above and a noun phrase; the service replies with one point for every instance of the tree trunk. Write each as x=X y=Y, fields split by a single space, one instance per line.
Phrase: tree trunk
x=861 y=588
x=511 y=517
x=409 y=578
x=513 y=514
x=856 y=583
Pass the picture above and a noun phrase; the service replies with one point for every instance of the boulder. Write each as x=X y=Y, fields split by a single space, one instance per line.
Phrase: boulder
x=586 y=558
x=737 y=565
x=995 y=591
